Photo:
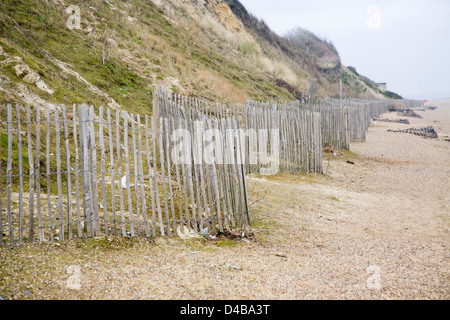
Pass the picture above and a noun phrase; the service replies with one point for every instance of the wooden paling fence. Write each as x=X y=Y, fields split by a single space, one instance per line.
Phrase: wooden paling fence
x=347 y=120
x=334 y=124
x=81 y=172
x=273 y=137
x=300 y=129
x=208 y=151
x=299 y=134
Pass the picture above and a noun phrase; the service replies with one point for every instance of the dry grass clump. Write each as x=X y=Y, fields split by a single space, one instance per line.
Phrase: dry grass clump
x=220 y=86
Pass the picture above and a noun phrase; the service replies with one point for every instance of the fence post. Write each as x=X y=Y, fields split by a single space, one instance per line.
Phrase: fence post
x=58 y=174
x=31 y=178
x=38 y=173
x=19 y=143
x=49 y=202
x=85 y=169
x=93 y=172
x=1 y=192
x=77 y=172
x=68 y=167
x=347 y=129
x=8 y=177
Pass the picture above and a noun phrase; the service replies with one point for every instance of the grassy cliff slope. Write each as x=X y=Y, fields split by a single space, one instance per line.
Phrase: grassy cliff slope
x=122 y=50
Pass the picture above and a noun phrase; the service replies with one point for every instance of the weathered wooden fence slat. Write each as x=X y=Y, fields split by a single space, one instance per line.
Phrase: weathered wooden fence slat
x=9 y=178
x=151 y=174
x=1 y=192
x=112 y=171
x=19 y=150
x=31 y=178
x=38 y=174
x=77 y=175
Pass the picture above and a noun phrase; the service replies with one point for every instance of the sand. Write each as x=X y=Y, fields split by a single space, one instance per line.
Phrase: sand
x=375 y=229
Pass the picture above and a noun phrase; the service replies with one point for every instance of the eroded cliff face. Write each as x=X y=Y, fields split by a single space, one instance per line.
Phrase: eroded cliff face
x=283 y=63
x=120 y=51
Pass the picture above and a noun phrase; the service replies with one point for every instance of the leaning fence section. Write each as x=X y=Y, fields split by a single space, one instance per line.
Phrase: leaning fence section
x=205 y=159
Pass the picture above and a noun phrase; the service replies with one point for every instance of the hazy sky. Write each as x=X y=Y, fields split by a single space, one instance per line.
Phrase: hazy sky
x=405 y=43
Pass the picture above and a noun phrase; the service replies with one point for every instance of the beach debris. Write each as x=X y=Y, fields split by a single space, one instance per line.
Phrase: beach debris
x=331 y=151
x=350 y=162
x=123 y=181
x=204 y=231
x=427 y=132
x=404 y=121
x=229 y=266
x=409 y=113
x=185 y=233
